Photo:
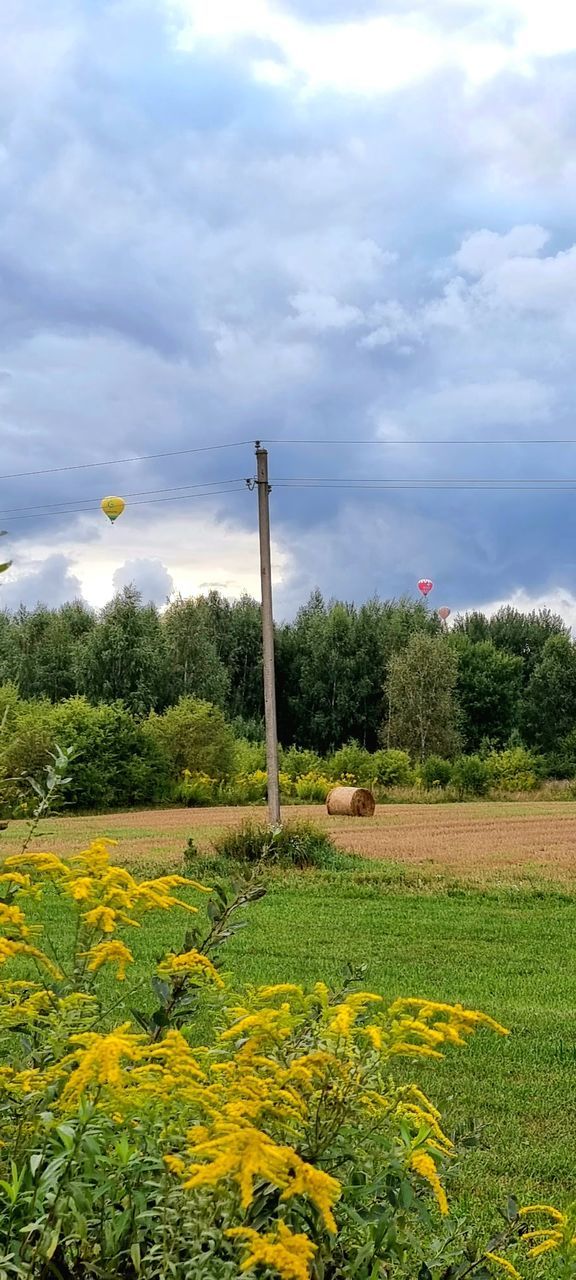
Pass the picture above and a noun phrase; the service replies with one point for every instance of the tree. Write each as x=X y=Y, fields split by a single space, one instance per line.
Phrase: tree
x=548 y=711
x=420 y=687
x=125 y=656
x=525 y=634
x=487 y=691
x=195 y=736
x=195 y=666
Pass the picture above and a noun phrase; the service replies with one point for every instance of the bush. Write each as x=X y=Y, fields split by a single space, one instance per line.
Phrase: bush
x=197 y=790
x=196 y=736
x=249 y=756
x=297 y=763
x=392 y=768
x=435 y=773
x=514 y=770
x=115 y=762
x=471 y=776
x=296 y=844
x=353 y=762
x=313 y=788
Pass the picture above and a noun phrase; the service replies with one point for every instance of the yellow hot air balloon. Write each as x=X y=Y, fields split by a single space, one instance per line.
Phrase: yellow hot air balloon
x=112 y=507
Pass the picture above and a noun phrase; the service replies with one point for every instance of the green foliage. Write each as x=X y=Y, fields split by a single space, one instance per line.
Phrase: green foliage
x=249 y=756
x=487 y=691
x=332 y=661
x=514 y=770
x=435 y=772
x=352 y=762
x=295 y=844
x=125 y=656
x=471 y=776
x=548 y=711
x=296 y=762
x=115 y=762
x=196 y=667
x=312 y=788
x=195 y=736
x=392 y=768
x=421 y=694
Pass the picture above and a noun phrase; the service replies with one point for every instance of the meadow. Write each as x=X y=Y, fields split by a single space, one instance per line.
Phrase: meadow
x=459 y=903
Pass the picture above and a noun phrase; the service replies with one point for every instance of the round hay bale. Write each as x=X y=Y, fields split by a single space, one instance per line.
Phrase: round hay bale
x=352 y=802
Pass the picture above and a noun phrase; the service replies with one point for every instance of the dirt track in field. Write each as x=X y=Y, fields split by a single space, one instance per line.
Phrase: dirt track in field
x=473 y=841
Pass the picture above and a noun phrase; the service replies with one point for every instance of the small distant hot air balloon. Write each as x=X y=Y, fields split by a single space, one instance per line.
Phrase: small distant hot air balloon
x=444 y=613
x=425 y=587
x=112 y=507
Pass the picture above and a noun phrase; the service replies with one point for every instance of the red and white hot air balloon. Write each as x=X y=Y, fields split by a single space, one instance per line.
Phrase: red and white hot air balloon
x=444 y=613
x=425 y=586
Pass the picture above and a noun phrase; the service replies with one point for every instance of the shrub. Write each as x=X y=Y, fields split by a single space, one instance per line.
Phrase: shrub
x=249 y=756
x=115 y=762
x=297 y=763
x=294 y=1139
x=516 y=769
x=435 y=773
x=297 y=844
x=351 y=761
x=250 y=788
x=392 y=768
x=197 y=790
x=195 y=736
x=471 y=776
x=312 y=788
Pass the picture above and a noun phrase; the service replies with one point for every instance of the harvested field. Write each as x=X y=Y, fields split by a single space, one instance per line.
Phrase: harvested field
x=485 y=840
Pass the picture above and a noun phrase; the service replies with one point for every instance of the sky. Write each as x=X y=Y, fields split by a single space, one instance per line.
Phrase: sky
x=341 y=221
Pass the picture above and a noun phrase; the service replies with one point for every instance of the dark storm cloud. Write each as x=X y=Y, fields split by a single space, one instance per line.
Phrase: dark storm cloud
x=51 y=583
x=188 y=256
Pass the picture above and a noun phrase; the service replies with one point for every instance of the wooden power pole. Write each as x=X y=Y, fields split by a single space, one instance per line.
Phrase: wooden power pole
x=263 y=486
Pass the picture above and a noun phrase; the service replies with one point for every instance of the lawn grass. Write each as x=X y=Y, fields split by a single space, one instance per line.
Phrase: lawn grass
x=506 y=951
x=510 y=954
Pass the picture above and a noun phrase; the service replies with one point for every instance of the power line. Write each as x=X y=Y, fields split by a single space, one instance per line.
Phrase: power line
x=403 y=443
x=117 y=462
x=315 y=442
x=186 y=497
x=336 y=483
x=46 y=507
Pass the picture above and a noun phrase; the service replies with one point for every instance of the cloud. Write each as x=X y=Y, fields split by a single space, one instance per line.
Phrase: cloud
x=50 y=582
x=150 y=577
x=376 y=246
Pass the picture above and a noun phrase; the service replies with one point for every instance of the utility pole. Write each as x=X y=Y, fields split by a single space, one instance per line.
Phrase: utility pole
x=263 y=486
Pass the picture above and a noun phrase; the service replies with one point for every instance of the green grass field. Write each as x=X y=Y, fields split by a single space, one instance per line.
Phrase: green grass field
x=507 y=952
x=501 y=946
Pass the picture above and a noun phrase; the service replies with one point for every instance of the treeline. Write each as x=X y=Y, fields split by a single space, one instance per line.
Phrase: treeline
x=385 y=673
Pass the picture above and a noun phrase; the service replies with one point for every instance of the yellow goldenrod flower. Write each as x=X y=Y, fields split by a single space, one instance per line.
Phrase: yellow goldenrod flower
x=191 y=963
x=113 y=952
x=99 y=1060
x=10 y=948
x=13 y=917
x=265 y=1024
x=544 y=1208
x=374 y=1035
x=319 y=1187
x=504 y=1264
x=546 y=1246
x=423 y=1164
x=42 y=863
x=280 y=989
x=344 y=1017
x=103 y=918
x=15 y=877
x=281 y=1250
